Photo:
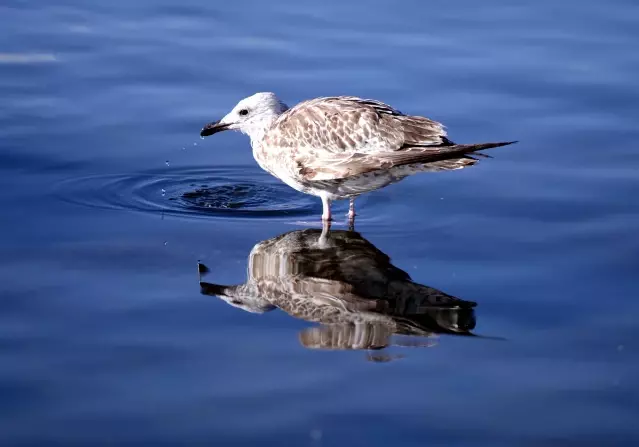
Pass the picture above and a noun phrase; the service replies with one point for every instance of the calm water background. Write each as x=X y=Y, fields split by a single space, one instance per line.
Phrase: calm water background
x=104 y=336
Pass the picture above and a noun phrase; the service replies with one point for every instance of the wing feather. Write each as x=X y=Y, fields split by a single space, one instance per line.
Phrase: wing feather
x=336 y=137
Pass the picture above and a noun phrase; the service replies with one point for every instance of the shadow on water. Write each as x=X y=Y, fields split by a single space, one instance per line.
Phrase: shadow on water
x=342 y=281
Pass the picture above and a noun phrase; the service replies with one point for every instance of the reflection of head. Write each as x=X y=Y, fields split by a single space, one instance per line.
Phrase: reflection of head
x=237 y=296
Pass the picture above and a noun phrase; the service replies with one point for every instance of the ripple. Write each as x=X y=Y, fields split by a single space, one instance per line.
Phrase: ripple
x=232 y=192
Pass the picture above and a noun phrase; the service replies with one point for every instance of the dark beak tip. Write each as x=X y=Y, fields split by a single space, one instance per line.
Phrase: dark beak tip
x=212 y=128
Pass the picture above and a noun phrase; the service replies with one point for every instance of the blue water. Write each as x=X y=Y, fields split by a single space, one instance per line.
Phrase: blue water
x=105 y=335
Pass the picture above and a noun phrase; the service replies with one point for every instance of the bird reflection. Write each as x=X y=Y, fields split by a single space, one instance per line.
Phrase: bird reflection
x=343 y=282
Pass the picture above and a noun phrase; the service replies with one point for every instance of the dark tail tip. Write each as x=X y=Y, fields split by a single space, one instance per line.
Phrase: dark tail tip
x=499 y=144
x=469 y=148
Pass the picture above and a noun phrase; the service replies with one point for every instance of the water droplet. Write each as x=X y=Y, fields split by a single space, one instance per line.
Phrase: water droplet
x=166 y=243
x=163 y=192
x=194 y=144
x=201 y=138
x=183 y=148
x=167 y=163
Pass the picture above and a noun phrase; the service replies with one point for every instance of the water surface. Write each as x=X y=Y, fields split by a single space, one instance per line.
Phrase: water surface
x=107 y=337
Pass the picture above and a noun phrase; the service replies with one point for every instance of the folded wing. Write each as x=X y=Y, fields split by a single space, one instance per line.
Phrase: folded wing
x=333 y=138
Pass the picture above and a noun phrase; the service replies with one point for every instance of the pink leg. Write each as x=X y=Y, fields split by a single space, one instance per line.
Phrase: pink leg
x=326 y=206
x=351 y=209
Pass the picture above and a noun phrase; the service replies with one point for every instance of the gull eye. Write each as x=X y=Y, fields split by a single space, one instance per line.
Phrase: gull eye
x=243 y=112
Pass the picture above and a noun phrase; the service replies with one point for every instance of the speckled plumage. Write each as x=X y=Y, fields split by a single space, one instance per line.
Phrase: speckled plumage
x=343 y=146
x=341 y=280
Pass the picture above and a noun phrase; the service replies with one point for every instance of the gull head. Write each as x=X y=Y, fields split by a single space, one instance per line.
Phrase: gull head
x=251 y=116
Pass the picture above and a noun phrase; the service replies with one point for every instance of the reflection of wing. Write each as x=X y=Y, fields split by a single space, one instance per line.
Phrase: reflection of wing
x=340 y=279
x=346 y=336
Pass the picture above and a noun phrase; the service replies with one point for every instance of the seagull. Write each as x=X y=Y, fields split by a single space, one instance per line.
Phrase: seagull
x=345 y=283
x=340 y=147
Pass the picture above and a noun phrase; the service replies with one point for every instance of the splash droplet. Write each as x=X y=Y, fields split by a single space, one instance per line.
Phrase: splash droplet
x=167 y=163
x=194 y=144
x=163 y=192
x=166 y=243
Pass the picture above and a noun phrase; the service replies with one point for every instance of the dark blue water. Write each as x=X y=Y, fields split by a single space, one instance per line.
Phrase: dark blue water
x=106 y=337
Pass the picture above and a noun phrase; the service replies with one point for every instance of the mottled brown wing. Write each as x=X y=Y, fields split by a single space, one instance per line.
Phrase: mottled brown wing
x=339 y=166
x=350 y=124
x=331 y=137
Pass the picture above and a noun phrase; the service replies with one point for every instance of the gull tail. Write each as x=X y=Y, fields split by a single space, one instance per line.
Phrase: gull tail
x=455 y=150
x=430 y=154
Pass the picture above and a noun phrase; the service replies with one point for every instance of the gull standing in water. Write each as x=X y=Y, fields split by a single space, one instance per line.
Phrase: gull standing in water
x=343 y=146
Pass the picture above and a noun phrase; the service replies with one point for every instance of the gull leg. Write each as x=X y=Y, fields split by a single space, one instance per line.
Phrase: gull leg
x=351 y=209
x=326 y=227
x=326 y=206
x=351 y=215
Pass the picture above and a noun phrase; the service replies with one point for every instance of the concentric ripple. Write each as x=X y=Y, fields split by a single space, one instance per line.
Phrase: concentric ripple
x=235 y=192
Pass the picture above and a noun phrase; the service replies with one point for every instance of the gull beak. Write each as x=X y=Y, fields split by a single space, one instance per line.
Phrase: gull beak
x=214 y=127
